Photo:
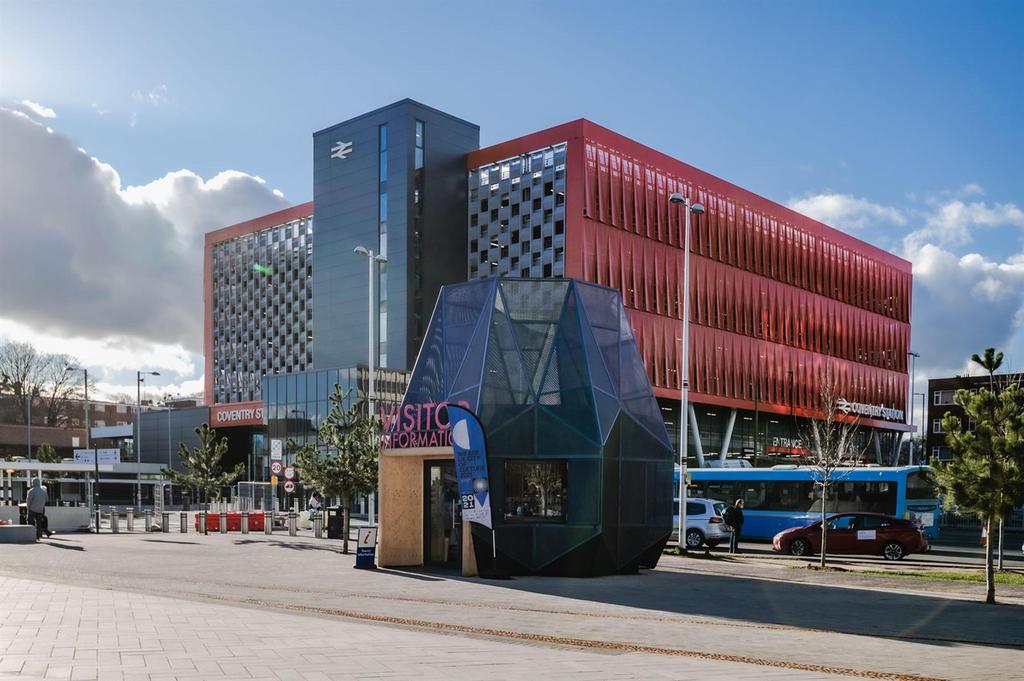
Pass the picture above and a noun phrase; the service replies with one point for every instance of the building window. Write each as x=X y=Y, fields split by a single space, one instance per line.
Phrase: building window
x=937 y=426
x=419 y=145
x=536 y=490
x=944 y=397
x=382 y=246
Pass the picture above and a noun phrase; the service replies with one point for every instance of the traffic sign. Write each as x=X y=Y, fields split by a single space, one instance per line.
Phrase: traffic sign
x=289 y=473
x=289 y=487
x=276 y=467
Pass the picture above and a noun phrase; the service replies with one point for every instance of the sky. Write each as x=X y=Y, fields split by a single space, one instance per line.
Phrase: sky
x=127 y=130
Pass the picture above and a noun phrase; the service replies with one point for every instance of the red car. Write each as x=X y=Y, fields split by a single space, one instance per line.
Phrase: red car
x=863 y=533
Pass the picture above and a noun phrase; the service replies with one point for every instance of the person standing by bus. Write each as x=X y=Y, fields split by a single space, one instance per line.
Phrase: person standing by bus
x=733 y=517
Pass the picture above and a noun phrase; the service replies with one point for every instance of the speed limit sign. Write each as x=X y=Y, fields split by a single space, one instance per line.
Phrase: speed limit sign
x=289 y=473
x=276 y=467
x=289 y=486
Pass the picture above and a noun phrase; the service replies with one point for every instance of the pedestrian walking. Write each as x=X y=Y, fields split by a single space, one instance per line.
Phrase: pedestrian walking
x=314 y=506
x=733 y=517
x=36 y=502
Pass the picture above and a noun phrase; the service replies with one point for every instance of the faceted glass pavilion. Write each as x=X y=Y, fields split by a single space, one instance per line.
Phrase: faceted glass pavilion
x=579 y=459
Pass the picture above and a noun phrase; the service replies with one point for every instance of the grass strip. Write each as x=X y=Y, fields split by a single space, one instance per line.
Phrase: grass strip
x=1008 y=578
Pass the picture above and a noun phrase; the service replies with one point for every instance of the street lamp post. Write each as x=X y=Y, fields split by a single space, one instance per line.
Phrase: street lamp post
x=924 y=421
x=913 y=371
x=95 y=501
x=138 y=430
x=374 y=260
x=684 y=365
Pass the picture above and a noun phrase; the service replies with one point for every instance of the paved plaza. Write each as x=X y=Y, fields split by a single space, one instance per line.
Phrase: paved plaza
x=169 y=606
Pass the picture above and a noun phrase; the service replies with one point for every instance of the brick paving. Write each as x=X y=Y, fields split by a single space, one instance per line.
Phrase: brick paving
x=282 y=590
x=57 y=631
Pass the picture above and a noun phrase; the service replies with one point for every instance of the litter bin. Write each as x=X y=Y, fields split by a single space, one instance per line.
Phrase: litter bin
x=335 y=522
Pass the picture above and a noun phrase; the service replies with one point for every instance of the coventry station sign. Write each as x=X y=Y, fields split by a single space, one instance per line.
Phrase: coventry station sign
x=870 y=410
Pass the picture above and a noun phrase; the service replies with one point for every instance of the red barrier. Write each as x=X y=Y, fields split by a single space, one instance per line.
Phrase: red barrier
x=234 y=522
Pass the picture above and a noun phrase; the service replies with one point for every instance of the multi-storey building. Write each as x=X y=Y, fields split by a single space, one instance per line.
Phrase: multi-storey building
x=940 y=401
x=780 y=303
x=257 y=293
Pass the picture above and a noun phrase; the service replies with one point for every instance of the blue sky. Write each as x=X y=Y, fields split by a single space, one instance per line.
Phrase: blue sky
x=898 y=122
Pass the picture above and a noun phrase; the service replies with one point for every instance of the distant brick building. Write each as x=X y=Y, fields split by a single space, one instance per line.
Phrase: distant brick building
x=941 y=392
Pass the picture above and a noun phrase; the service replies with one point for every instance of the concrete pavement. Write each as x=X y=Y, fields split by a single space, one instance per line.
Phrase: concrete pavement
x=681 y=613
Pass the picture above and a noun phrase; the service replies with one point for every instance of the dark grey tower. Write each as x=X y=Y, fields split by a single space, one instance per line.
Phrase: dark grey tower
x=394 y=181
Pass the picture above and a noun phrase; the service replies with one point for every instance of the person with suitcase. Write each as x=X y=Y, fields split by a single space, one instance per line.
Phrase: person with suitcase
x=36 y=503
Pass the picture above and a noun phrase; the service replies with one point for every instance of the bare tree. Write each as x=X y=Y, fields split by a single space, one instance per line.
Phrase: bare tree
x=831 y=442
x=31 y=375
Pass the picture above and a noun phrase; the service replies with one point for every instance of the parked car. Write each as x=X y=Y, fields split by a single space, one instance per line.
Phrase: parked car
x=855 y=533
x=704 y=523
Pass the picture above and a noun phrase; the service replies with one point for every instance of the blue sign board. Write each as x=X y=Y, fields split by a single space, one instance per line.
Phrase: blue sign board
x=366 y=548
x=470 y=465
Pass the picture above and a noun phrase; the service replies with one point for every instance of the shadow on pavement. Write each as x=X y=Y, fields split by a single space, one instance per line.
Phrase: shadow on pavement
x=58 y=545
x=936 y=620
x=409 y=574
x=169 y=541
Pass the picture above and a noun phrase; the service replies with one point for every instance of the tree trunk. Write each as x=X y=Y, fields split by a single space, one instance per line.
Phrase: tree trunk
x=824 y=526
x=345 y=503
x=990 y=580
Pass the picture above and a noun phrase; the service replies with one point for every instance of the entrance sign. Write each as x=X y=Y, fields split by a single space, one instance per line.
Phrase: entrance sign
x=470 y=465
x=366 y=548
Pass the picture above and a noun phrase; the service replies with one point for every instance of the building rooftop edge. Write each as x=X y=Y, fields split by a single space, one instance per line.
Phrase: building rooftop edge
x=406 y=100
x=260 y=222
x=584 y=128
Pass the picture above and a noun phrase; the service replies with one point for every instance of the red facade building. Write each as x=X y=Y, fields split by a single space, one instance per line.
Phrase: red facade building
x=780 y=303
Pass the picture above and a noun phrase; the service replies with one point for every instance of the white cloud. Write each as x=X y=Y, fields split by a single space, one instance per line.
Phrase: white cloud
x=155 y=97
x=963 y=304
x=951 y=223
x=110 y=273
x=38 y=109
x=100 y=111
x=845 y=211
x=972 y=189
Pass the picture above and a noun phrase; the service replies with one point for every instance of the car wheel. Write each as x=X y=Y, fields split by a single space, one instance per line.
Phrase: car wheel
x=800 y=547
x=694 y=538
x=893 y=551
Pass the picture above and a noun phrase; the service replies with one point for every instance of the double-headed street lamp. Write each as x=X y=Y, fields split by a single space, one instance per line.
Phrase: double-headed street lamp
x=684 y=373
x=375 y=260
x=138 y=429
x=913 y=370
x=95 y=456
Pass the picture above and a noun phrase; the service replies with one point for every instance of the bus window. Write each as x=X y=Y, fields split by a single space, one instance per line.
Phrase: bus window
x=920 y=486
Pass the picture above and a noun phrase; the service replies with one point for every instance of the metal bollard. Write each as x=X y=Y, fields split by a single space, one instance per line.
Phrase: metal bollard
x=99 y=515
x=245 y=522
x=147 y=517
x=202 y=522
x=268 y=522
x=318 y=526
x=222 y=523
x=131 y=519
x=114 y=521
x=183 y=522
x=165 y=522
x=292 y=529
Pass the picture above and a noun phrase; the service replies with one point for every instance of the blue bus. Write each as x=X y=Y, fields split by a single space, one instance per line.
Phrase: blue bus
x=781 y=497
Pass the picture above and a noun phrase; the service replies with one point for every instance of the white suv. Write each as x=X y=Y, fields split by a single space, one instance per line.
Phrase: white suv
x=704 y=523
